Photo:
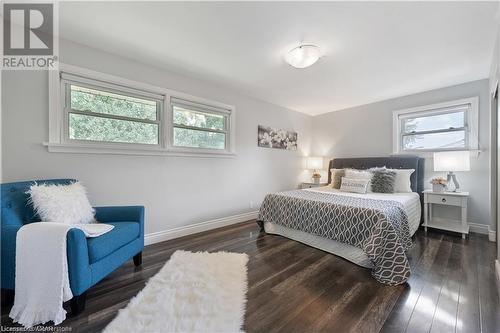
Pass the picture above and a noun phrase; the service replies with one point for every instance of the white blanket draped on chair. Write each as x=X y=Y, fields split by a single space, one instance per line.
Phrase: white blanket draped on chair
x=42 y=280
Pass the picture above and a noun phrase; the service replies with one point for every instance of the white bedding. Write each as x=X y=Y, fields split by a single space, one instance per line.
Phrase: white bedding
x=409 y=201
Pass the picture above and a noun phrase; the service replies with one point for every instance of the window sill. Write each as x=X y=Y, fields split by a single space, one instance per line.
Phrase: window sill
x=430 y=154
x=79 y=148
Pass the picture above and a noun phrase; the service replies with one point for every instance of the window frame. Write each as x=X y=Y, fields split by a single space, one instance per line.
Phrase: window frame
x=105 y=87
x=471 y=121
x=59 y=140
x=201 y=108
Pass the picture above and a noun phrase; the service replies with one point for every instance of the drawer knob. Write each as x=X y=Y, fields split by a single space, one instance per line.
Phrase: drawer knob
x=443 y=200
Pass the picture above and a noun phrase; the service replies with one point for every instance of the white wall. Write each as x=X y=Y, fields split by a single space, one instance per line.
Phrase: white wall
x=493 y=79
x=367 y=131
x=493 y=164
x=176 y=191
x=179 y=191
x=495 y=153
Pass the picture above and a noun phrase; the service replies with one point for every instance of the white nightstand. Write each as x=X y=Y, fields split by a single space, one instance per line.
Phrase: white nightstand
x=311 y=185
x=458 y=199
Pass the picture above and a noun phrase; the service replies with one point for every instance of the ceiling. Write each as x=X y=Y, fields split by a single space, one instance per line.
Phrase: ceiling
x=372 y=50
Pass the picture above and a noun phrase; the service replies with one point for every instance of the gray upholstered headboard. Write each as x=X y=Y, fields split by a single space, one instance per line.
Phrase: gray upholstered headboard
x=393 y=162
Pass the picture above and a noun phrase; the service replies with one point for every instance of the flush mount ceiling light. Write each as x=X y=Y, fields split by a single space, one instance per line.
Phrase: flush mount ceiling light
x=303 y=56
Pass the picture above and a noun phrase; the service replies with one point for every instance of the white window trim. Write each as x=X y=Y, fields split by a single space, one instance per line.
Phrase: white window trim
x=199 y=107
x=57 y=123
x=472 y=122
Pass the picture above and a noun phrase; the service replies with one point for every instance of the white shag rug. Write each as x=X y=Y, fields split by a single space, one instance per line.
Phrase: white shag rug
x=193 y=292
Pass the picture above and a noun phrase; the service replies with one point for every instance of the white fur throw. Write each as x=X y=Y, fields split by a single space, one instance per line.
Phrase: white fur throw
x=62 y=203
x=193 y=292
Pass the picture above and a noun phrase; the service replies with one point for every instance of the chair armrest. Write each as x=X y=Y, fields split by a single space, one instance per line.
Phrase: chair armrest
x=9 y=234
x=8 y=257
x=80 y=275
x=120 y=214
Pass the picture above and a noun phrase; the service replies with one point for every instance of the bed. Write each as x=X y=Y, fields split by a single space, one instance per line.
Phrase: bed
x=372 y=230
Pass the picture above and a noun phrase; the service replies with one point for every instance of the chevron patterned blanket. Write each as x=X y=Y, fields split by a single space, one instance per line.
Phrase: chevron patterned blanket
x=379 y=227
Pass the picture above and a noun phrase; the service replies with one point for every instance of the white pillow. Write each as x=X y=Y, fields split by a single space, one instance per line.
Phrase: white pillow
x=360 y=174
x=354 y=185
x=62 y=203
x=402 y=183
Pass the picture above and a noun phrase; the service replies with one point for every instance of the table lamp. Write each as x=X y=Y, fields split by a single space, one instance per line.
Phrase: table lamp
x=315 y=164
x=451 y=161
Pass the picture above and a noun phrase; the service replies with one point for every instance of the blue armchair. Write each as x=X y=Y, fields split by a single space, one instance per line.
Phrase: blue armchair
x=89 y=259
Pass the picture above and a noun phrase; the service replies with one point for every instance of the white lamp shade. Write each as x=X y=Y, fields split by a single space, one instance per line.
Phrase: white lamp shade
x=303 y=56
x=314 y=163
x=452 y=161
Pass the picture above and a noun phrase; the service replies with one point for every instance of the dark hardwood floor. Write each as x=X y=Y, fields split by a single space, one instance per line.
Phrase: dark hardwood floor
x=296 y=288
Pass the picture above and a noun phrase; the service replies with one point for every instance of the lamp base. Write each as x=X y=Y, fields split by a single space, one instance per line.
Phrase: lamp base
x=451 y=176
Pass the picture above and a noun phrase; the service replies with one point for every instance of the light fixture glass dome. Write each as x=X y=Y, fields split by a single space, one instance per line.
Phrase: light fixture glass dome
x=303 y=56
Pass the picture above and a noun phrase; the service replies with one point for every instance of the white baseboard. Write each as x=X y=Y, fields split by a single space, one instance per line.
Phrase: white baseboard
x=492 y=235
x=497 y=274
x=479 y=228
x=483 y=229
x=160 y=236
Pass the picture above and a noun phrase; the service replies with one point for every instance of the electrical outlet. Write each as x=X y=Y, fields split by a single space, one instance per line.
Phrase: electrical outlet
x=251 y=204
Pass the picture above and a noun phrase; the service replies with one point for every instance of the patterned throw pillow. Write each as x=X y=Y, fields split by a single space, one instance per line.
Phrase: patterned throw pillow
x=360 y=174
x=383 y=181
x=337 y=175
x=354 y=185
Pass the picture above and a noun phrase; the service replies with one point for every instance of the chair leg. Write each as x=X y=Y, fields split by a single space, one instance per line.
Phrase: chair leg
x=77 y=304
x=138 y=259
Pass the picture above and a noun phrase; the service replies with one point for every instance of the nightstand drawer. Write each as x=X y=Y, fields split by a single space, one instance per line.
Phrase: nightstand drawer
x=444 y=200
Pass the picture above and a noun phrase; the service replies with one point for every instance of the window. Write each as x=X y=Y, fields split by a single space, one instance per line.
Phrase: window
x=99 y=113
x=441 y=131
x=439 y=127
x=199 y=126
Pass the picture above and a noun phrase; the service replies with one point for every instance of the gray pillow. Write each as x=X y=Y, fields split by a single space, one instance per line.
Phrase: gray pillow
x=383 y=181
x=377 y=168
